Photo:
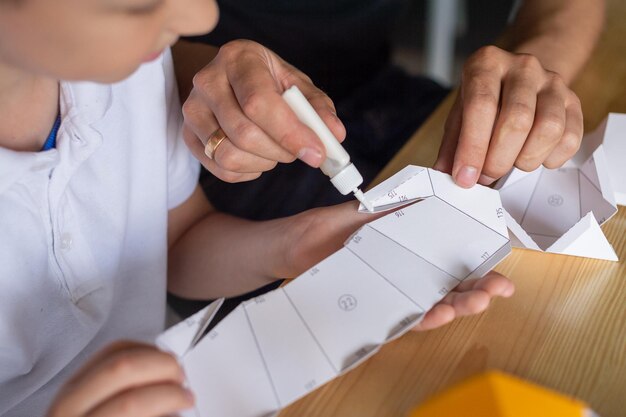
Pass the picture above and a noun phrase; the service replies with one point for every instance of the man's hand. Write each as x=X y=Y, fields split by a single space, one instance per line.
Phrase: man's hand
x=126 y=379
x=240 y=91
x=510 y=111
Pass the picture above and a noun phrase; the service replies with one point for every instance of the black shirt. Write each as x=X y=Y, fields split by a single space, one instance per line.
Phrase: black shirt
x=340 y=44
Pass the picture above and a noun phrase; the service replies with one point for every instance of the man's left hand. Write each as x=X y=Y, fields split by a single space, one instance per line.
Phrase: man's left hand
x=510 y=111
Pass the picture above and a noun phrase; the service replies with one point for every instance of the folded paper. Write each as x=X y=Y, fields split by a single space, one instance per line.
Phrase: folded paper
x=611 y=134
x=278 y=347
x=561 y=210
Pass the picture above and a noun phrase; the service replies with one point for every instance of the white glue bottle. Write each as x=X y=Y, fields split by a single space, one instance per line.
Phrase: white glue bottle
x=343 y=174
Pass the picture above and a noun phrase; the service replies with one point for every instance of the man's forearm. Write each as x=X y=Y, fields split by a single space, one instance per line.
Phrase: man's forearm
x=561 y=33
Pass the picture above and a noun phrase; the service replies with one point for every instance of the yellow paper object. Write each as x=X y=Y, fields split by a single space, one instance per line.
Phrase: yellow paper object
x=495 y=394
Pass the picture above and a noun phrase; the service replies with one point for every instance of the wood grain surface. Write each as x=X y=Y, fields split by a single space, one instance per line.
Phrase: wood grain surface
x=565 y=328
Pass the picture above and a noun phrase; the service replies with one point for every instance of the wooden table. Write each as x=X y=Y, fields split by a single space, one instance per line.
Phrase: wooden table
x=565 y=328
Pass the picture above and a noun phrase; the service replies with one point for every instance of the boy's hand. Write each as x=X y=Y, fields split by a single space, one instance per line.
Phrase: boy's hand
x=468 y=298
x=125 y=379
x=510 y=111
x=241 y=92
x=322 y=231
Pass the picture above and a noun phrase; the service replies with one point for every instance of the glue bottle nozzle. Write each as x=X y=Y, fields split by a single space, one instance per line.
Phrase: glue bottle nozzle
x=361 y=197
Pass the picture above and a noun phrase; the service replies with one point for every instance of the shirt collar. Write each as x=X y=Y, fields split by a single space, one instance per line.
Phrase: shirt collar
x=82 y=104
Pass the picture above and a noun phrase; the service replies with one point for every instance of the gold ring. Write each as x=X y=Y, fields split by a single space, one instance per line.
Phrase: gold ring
x=213 y=142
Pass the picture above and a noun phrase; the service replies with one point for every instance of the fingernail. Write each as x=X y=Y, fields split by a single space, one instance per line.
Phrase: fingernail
x=509 y=291
x=310 y=156
x=486 y=180
x=337 y=119
x=467 y=176
x=190 y=395
x=339 y=122
x=442 y=166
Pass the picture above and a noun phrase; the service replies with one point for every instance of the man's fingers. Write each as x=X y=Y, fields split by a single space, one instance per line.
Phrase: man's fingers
x=480 y=98
x=230 y=158
x=260 y=97
x=197 y=150
x=241 y=131
x=514 y=113
x=445 y=159
x=198 y=117
x=120 y=371
x=229 y=163
x=323 y=105
x=198 y=121
x=148 y=401
x=548 y=127
x=572 y=136
x=231 y=176
x=515 y=120
x=241 y=92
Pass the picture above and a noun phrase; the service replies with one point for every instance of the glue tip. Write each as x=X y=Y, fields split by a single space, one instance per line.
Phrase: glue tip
x=361 y=197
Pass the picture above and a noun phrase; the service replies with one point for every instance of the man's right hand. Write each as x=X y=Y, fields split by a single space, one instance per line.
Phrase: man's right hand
x=241 y=92
x=125 y=379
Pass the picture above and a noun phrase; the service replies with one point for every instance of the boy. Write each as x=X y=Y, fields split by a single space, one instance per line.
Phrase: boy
x=87 y=221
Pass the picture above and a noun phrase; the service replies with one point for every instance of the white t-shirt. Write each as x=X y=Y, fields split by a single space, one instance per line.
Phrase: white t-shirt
x=83 y=232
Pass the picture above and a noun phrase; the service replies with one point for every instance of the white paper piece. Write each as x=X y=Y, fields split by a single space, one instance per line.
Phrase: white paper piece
x=278 y=347
x=440 y=241
x=549 y=210
x=421 y=281
x=410 y=183
x=227 y=372
x=611 y=134
x=184 y=335
x=356 y=311
x=585 y=239
x=554 y=206
x=472 y=202
x=295 y=362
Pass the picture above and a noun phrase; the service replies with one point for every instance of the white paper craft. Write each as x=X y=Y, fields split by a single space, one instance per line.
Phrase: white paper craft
x=561 y=210
x=278 y=347
x=611 y=134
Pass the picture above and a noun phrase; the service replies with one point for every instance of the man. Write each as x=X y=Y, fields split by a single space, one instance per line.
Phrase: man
x=514 y=106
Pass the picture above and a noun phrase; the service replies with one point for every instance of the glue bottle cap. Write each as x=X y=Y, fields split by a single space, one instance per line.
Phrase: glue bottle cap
x=347 y=180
